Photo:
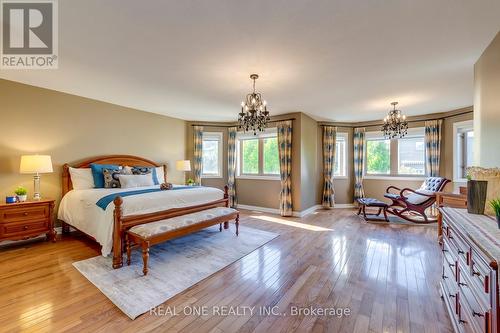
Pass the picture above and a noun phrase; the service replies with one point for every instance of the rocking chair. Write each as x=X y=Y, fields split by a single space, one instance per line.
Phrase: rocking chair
x=411 y=204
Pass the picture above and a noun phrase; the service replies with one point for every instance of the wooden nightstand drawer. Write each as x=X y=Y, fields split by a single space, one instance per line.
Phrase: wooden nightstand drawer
x=24 y=214
x=24 y=227
x=27 y=219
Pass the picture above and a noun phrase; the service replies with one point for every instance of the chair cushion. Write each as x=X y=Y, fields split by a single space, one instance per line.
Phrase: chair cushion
x=371 y=202
x=416 y=199
x=157 y=228
x=392 y=196
x=433 y=184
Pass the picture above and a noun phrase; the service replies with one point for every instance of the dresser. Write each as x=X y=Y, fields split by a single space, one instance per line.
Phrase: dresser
x=448 y=199
x=26 y=220
x=469 y=277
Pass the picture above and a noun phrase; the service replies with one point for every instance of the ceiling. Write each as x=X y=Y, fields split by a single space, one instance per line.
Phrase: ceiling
x=338 y=60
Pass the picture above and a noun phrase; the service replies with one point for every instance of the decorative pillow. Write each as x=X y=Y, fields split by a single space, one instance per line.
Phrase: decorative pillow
x=82 y=179
x=160 y=175
x=166 y=186
x=130 y=181
x=111 y=179
x=138 y=170
x=98 y=175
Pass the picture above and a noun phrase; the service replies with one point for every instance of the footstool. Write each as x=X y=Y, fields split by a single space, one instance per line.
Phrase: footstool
x=372 y=202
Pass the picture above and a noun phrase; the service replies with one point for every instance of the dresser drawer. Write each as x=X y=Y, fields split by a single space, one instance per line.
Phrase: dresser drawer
x=458 y=245
x=9 y=229
x=23 y=214
x=472 y=315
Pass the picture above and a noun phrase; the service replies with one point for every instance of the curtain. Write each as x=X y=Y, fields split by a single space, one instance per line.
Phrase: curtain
x=197 y=155
x=329 y=156
x=359 y=157
x=285 y=155
x=433 y=146
x=231 y=165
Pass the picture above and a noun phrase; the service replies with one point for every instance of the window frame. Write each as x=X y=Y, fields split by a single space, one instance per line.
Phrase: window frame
x=394 y=156
x=268 y=133
x=214 y=136
x=342 y=137
x=458 y=155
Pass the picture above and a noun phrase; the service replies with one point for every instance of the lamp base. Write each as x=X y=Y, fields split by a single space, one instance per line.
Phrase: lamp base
x=36 y=185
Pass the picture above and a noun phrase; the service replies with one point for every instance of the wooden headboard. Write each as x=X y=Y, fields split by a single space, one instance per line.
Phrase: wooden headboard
x=122 y=160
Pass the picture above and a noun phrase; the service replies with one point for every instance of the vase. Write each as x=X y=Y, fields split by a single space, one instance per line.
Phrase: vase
x=22 y=198
x=476 y=196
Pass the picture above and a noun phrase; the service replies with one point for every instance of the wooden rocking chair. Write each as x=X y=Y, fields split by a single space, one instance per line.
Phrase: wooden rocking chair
x=411 y=204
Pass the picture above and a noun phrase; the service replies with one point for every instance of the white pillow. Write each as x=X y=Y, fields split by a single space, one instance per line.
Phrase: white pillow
x=130 y=181
x=160 y=174
x=82 y=179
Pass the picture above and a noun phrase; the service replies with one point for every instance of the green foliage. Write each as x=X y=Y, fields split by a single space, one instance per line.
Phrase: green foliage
x=495 y=204
x=378 y=157
x=271 y=156
x=250 y=156
x=190 y=181
x=21 y=191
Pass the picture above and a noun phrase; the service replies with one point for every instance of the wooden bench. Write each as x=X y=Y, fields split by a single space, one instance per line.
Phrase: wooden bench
x=146 y=235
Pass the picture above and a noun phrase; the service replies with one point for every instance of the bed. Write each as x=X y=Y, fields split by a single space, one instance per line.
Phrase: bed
x=107 y=224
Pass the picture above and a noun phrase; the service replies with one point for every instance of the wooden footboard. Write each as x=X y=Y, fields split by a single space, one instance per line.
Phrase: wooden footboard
x=123 y=223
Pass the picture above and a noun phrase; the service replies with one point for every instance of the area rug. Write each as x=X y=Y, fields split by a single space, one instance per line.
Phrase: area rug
x=174 y=266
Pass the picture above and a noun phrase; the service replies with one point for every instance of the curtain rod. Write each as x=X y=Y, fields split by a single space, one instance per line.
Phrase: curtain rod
x=236 y=125
x=409 y=121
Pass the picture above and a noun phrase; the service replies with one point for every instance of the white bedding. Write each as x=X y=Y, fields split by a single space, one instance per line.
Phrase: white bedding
x=78 y=208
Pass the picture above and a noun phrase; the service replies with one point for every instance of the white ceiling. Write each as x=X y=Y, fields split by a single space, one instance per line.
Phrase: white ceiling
x=340 y=60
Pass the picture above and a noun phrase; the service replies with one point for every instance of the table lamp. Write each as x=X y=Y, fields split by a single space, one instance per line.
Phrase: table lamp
x=184 y=165
x=36 y=164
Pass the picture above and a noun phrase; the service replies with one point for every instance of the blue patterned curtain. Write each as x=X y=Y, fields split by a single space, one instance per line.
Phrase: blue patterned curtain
x=285 y=155
x=197 y=155
x=433 y=146
x=231 y=165
x=359 y=162
x=329 y=156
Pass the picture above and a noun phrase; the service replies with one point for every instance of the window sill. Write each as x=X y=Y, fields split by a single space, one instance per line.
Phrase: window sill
x=415 y=178
x=211 y=177
x=460 y=180
x=340 y=177
x=258 y=177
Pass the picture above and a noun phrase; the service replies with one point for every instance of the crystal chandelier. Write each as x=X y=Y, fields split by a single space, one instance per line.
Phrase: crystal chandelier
x=254 y=115
x=395 y=124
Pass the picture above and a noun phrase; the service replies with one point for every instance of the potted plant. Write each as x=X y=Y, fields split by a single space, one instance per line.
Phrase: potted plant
x=190 y=182
x=495 y=204
x=21 y=194
x=476 y=195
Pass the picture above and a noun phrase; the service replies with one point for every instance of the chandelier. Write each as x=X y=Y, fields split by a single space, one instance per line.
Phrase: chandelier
x=254 y=115
x=395 y=124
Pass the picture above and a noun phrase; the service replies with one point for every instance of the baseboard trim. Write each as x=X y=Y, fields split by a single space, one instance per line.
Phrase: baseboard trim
x=259 y=209
x=350 y=205
x=307 y=211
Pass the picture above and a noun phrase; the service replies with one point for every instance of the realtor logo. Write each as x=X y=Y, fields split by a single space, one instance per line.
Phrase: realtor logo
x=29 y=34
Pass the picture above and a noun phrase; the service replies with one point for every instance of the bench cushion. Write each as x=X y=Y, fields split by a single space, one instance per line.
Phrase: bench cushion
x=371 y=202
x=157 y=228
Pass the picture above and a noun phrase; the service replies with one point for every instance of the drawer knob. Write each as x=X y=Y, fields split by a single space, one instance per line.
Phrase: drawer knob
x=462 y=284
x=452 y=265
x=444 y=276
x=476 y=273
x=444 y=250
x=452 y=296
x=460 y=252
x=461 y=321
x=25 y=227
x=477 y=314
x=25 y=214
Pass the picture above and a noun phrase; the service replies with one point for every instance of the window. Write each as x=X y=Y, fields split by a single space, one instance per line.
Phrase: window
x=411 y=156
x=258 y=156
x=341 y=155
x=378 y=157
x=212 y=155
x=463 y=149
x=397 y=157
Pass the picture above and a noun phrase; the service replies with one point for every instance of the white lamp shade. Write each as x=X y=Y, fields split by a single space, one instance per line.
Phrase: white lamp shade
x=184 y=165
x=35 y=164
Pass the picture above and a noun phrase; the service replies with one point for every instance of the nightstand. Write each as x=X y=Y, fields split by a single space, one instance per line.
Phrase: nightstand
x=26 y=220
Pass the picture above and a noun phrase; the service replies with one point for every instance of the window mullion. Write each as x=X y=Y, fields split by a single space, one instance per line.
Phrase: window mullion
x=261 y=156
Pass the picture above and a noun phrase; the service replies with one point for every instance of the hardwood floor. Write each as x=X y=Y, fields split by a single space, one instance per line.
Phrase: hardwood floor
x=386 y=275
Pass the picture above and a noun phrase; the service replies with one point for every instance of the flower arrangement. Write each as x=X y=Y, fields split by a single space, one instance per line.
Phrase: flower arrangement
x=21 y=194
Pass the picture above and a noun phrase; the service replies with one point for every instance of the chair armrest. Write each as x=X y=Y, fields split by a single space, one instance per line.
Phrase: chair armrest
x=388 y=190
x=416 y=192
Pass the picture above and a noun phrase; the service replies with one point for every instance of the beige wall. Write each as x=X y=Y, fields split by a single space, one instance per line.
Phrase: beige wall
x=487 y=106
x=72 y=128
x=310 y=178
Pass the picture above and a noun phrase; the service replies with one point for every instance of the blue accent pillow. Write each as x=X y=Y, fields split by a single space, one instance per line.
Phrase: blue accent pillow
x=138 y=170
x=97 y=173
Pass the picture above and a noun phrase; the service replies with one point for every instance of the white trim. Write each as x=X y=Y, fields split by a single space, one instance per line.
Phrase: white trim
x=307 y=211
x=418 y=178
x=343 y=206
x=258 y=177
x=259 y=209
